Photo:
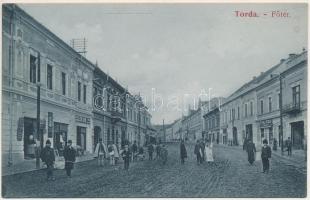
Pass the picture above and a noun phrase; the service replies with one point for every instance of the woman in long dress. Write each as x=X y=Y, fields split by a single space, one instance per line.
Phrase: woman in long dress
x=209 y=152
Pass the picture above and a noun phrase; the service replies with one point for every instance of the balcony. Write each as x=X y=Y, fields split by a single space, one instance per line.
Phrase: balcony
x=292 y=108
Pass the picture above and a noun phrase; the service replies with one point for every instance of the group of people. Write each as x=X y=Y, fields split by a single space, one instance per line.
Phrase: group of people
x=161 y=152
x=48 y=157
x=204 y=151
x=265 y=152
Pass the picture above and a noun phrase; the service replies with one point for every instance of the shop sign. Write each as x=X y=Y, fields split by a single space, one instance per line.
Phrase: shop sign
x=266 y=123
x=81 y=119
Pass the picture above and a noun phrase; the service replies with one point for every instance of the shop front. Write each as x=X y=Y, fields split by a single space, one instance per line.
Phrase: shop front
x=266 y=130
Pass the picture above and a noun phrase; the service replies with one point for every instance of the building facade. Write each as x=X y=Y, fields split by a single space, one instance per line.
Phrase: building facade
x=254 y=111
x=35 y=59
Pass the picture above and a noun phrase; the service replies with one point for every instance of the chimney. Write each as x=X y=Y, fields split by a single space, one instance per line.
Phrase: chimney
x=282 y=60
x=254 y=77
x=291 y=55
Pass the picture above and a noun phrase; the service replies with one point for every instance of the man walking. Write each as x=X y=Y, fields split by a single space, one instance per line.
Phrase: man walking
x=288 y=144
x=183 y=152
x=251 y=150
x=69 y=155
x=126 y=157
x=197 y=151
x=48 y=157
x=266 y=154
x=134 y=150
x=150 y=150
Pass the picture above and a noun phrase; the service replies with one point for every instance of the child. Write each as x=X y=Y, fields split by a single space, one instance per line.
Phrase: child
x=126 y=157
x=266 y=154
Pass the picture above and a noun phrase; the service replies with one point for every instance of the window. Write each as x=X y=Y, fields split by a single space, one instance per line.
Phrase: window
x=261 y=107
x=84 y=93
x=296 y=95
x=269 y=104
x=33 y=69
x=233 y=114
x=245 y=110
x=49 y=80
x=79 y=91
x=63 y=83
x=238 y=112
x=251 y=108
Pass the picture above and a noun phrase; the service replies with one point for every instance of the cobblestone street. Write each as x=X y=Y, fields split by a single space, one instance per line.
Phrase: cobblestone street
x=229 y=176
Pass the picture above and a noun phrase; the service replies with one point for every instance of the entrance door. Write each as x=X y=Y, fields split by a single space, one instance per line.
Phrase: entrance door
x=97 y=135
x=81 y=137
x=235 y=136
x=217 y=137
x=297 y=129
x=249 y=132
x=29 y=129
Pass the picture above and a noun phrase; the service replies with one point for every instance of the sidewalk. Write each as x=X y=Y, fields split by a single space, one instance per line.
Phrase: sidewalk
x=30 y=165
x=297 y=160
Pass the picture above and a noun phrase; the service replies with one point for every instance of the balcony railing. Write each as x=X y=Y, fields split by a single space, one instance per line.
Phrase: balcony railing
x=292 y=108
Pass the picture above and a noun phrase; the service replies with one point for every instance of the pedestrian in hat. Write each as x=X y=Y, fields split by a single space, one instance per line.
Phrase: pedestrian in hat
x=266 y=154
x=48 y=157
x=251 y=150
x=126 y=157
x=69 y=155
x=183 y=152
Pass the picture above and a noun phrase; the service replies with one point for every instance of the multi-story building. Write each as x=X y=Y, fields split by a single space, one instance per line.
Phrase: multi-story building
x=294 y=100
x=254 y=112
x=118 y=115
x=212 y=125
x=176 y=130
x=34 y=59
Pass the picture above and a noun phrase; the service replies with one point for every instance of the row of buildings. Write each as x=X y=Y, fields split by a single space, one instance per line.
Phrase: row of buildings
x=256 y=110
x=78 y=101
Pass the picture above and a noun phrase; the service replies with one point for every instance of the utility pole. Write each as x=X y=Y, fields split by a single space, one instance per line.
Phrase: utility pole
x=281 y=114
x=39 y=134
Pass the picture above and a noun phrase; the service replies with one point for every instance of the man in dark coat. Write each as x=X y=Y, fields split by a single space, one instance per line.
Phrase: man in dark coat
x=69 y=155
x=164 y=154
x=134 y=150
x=183 y=152
x=266 y=154
x=288 y=144
x=197 y=151
x=126 y=157
x=251 y=150
x=48 y=157
x=202 y=147
x=157 y=149
x=150 y=150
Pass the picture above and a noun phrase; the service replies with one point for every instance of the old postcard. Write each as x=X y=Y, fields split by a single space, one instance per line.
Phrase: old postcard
x=154 y=100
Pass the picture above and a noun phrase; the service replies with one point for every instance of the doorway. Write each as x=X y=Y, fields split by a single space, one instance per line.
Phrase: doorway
x=81 y=137
x=297 y=130
x=235 y=136
x=249 y=132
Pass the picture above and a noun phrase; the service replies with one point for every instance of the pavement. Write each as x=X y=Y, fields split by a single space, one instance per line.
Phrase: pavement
x=30 y=165
x=229 y=176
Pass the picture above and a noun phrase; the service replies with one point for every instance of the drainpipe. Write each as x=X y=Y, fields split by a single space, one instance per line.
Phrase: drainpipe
x=11 y=60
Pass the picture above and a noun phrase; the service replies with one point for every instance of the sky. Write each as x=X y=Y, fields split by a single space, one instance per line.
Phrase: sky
x=173 y=53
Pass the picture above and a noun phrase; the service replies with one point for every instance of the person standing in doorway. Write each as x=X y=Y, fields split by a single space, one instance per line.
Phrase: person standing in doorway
x=48 y=157
x=251 y=150
x=69 y=155
x=266 y=155
x=288 y=144
x=101 y=151
x=183 y=152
